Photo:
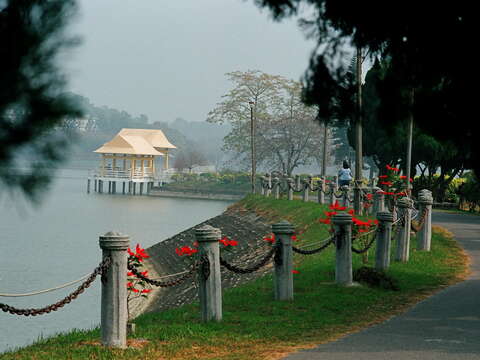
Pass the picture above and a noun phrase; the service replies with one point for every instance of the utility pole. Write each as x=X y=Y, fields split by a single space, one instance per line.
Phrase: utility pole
x=252 y=142
x=358 y=137
x=324 y=155
x=409 y=142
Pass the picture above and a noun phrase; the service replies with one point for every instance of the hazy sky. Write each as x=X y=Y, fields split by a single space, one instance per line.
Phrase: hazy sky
x=168 y=59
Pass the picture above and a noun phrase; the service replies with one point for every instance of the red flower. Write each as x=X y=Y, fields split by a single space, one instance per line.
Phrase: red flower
x=141 y=252
x=129 y=284
x=388 y=183
x=369 y=196
x=135 y=290
x=330 y=213
x=270 y=239
x=224 y=241
x=375 y=222
x=146 y=291
x=337 y=206
x=325 y=221
x=185 y=250
x=294 y=237
x=144 y=273
x=382 y=176
x=392 y=168
x=233 y=243
x=130 y=252
x=295 y=272
x=129 y=273
x=195 y=244
x=351 y=212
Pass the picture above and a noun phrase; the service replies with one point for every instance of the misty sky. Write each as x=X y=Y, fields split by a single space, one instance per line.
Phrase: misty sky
x=168 y=59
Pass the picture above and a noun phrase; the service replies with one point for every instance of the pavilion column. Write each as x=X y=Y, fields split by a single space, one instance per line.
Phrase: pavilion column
x=103 y=164
x=143 y=169
x=165 y=160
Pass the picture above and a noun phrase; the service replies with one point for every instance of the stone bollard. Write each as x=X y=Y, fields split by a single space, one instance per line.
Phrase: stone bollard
x=209 y=289
x=343 y=242
x=268 y=190
x=263 y=181
x=290 y=188
x=306 y=189
x=424 y=236
x=283 y=232
x=403 y=236
x=378 y=201
x=114 y=313
x=298 y=181
x=276 y=187
x=321 y=191
x=382 y=252
x=333 y=190
x=345 y=201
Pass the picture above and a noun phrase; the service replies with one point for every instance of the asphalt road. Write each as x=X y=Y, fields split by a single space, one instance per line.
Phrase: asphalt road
x=444 y=326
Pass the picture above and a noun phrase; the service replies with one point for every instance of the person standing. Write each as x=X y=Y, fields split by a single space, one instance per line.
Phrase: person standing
x=345 y=174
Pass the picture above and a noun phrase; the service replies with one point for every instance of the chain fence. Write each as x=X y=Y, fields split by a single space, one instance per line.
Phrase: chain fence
x=101 y=269
x=203 y=262
x=326 y=244
x=275 y=250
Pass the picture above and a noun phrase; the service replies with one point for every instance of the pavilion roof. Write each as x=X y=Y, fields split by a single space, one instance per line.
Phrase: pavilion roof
x=137 y=142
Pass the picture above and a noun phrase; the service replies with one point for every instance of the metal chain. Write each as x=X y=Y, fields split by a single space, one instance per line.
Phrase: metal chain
x=255 y=267
x=314 y=251
x=100 y=269
x=366 y=248
x=170 y=283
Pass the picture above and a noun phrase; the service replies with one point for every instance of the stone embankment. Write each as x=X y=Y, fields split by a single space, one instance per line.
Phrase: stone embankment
x=236 y=223
x=195 y=195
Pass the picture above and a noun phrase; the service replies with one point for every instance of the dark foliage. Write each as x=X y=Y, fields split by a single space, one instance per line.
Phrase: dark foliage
x=32 y=100
x=375 y=278
x=429 y=47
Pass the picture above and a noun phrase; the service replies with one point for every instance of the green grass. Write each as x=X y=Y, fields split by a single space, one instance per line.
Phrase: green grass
x=257 y=327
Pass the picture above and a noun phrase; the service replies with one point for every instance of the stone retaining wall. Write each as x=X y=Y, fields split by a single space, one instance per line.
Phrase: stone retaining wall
x=195 y=195
x=246 y=227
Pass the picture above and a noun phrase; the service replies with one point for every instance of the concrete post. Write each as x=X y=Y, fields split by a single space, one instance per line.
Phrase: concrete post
x=382 y=252
x=343 y=255
x=114 y=290
x=403 y=236
x=335 y=180
x=345 y=201
x=306 y=189
x=210 y=289
x=283 y=270
x=297 y=181
x=424 y=236
x=378 y=201
x=333 y=190
x=262 y=185
x=321 y=191
x=268 y=191
x=276 y=187
x=290 y=188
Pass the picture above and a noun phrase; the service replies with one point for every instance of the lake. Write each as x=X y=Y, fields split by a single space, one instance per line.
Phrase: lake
x=57 y=242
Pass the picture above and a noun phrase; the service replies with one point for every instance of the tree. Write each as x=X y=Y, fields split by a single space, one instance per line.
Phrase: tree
x=32 y=98
x=188 y=159
x=413 y=37
x=287 y=135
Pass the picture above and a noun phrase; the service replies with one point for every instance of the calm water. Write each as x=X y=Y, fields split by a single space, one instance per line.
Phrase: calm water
x=58 y=242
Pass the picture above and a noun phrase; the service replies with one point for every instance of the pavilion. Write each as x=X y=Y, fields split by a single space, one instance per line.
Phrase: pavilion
x=129 y=158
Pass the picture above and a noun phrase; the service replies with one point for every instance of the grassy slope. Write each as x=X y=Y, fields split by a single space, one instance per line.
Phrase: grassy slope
x=255 y=326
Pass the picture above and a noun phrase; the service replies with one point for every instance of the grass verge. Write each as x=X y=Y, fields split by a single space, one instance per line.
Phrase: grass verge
x=255 y=326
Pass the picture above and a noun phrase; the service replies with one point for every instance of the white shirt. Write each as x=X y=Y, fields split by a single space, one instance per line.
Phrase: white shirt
x=345 y=174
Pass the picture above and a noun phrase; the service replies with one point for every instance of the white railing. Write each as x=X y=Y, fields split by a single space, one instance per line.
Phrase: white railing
x=136 y=174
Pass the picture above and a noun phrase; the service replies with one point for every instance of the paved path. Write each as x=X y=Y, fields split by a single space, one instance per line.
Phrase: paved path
x=444 y=326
